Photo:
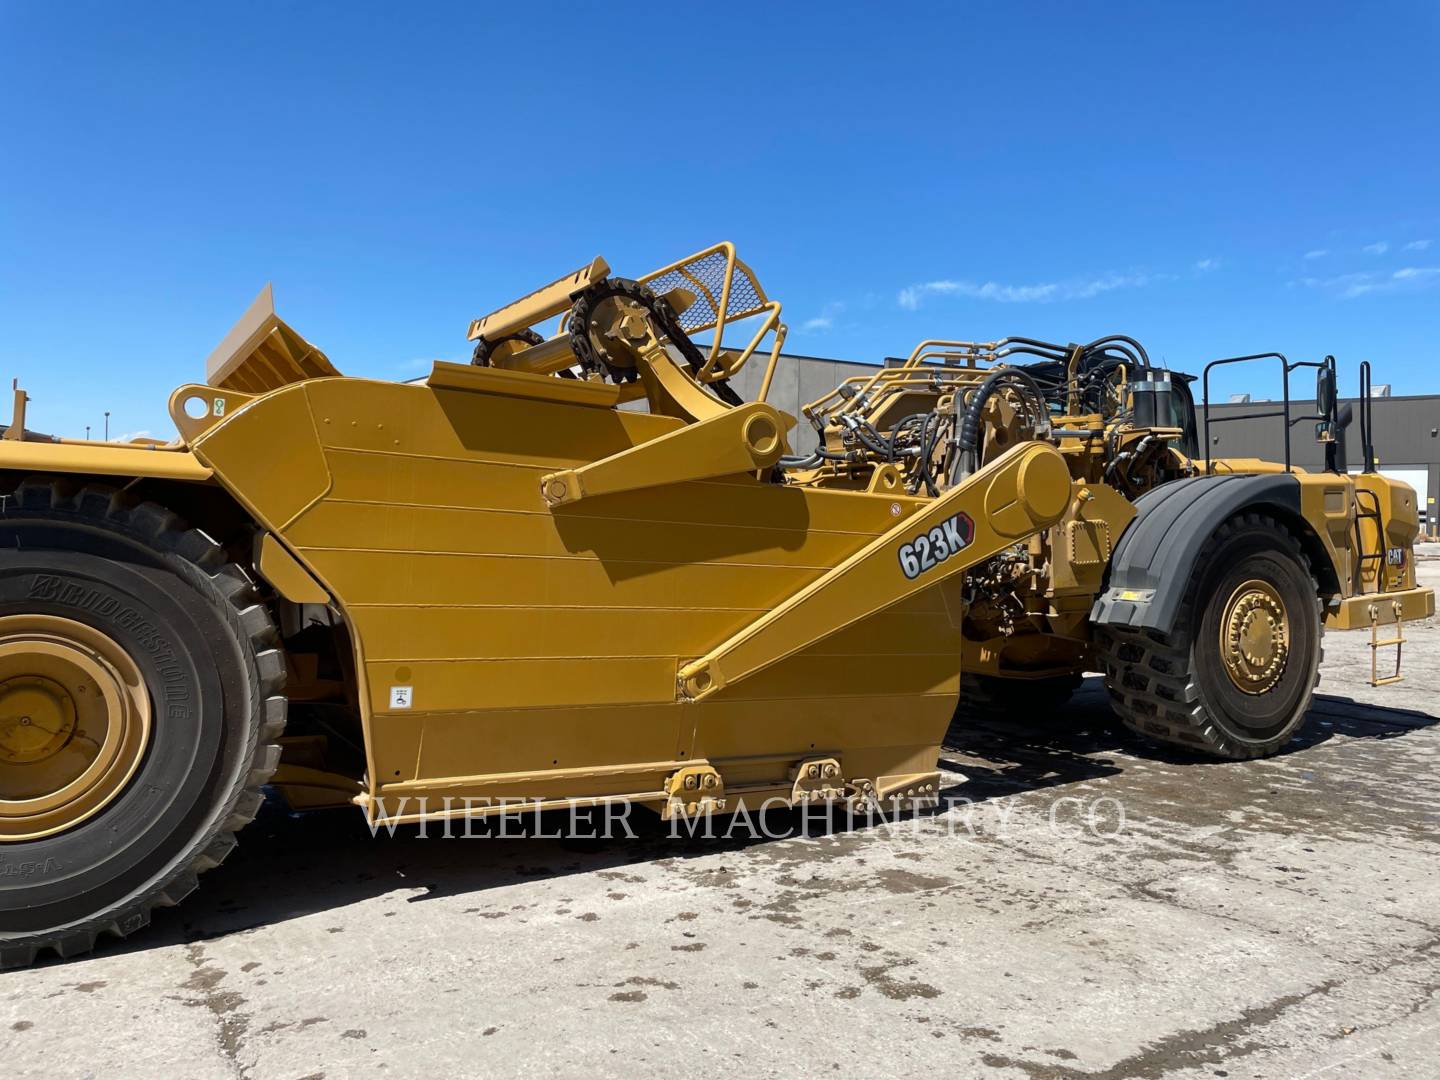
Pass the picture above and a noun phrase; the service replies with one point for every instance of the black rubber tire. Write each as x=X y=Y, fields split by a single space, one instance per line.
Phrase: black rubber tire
x=208 y=651
x=1024 y=701
x=1173 y=688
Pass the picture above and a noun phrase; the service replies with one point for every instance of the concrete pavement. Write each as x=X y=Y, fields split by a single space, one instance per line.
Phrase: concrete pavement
x=1088 y=907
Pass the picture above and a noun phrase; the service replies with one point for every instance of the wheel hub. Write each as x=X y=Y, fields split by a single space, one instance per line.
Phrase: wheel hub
x=75 y=720
x=37 y=719
x=1255 y=637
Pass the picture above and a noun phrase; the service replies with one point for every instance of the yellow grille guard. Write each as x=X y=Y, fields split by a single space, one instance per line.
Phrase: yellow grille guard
x=722 y=289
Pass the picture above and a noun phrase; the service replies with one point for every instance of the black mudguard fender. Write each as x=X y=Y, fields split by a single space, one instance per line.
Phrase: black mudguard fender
x=1155 y=557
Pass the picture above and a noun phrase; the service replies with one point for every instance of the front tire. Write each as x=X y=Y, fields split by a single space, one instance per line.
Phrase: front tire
x=100 y=593
x=1235 y=678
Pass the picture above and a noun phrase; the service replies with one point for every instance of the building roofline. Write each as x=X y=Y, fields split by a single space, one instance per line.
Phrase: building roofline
x=826 y=359
x=1342 y=400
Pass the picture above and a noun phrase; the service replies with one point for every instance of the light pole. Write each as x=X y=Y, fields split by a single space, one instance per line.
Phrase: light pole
x=87 y=432
x=107 y=425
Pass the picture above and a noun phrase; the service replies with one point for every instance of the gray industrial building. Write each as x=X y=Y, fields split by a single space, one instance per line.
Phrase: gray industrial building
x=1406 y=437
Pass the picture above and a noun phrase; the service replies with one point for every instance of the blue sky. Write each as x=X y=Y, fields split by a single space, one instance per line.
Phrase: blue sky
x=1210 y=178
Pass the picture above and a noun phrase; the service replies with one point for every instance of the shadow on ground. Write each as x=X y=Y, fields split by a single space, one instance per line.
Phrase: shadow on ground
x=1086 y=741
x=288 y=866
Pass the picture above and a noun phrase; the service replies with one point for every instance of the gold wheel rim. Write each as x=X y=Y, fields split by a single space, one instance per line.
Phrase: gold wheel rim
x=1255 y=637
x=75 y=720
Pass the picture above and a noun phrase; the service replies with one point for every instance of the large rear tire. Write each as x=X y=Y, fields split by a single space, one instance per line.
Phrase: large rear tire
x=1235 y=678
x=140 y=705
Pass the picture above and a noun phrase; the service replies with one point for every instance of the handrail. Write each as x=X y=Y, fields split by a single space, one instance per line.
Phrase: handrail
x=781 y=332
x=1284 y=412
x=969 y=350
x=1367 y=427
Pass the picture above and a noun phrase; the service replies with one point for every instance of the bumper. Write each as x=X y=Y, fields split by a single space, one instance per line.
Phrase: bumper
x=1355 y=612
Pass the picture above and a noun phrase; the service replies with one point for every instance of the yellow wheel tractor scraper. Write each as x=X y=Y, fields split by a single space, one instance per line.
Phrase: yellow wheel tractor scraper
x=582 y=571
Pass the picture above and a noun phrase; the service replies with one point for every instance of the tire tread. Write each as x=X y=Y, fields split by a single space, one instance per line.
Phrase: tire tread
x=239 y=604
x=1149 y=677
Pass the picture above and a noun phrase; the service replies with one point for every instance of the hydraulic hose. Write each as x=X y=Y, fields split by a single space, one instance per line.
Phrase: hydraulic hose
x=969 y=437
x=810 y=460
x=1128 y=343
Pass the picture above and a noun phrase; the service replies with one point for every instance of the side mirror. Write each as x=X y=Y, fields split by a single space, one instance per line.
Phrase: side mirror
x=1325 y=391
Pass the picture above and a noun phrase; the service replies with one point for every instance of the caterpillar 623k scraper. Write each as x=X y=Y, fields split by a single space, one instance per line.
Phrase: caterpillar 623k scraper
x=583 y=571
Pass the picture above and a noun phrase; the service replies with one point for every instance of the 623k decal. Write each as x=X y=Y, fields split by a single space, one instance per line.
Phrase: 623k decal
x=931 y=548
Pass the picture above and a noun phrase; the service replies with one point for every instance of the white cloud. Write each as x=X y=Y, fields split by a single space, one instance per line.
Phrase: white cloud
x=826 y=319
x=912 y=296
x=1346 y=286
x=1204 y=266
x=1418 y=245
x=131 y=436
x=1318 y=253
x=1350 y=286
x=909 y=297
x=1377 y=248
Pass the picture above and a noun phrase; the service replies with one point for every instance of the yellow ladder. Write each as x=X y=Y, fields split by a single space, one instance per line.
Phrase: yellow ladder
x=1376 y=644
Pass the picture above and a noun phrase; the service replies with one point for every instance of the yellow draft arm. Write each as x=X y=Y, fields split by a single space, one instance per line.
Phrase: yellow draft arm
x=107 y=459
x=1023 y=491
x=742 y=439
